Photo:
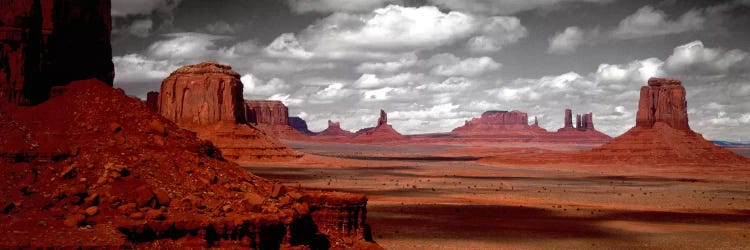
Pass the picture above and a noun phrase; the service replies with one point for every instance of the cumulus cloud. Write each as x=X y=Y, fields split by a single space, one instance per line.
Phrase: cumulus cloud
x=287 y=46
x=369 y=81
x=694 y=57
x=503 y=7
x=408 y=60
x=650 y=22
x=390 y=31
x=450 y=65
x=325 y=6
x=567 y=41
x=254 y=88
x=133 y=68
x=187 y=45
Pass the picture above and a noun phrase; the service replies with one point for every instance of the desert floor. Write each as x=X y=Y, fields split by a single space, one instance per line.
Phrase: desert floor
x=441 y=197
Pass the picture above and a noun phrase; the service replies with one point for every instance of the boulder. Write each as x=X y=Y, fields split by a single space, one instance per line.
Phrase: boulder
x=51 y=43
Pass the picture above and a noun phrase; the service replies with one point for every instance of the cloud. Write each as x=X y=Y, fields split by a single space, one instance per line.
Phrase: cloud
x=406 y=61
x=189 y=45
x=141 y=27
x=254 y=88
x=222 y=27
x=567 y=41
x=503 y=7
x=450 y=65
x=133 y=68
x=497 y=32
x=650 y=22
x=393 y=30
x=369 y=81
x=695 y=58
x=122 y=8
x=327 y=6
x=287 y=46
x=331 y=93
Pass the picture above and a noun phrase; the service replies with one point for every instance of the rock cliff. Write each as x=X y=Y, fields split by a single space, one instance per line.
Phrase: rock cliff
x=271 y=117
x=152 y=101
x=300 y=125
x=207 y=98
x=663 y=100
x=495 y=122
x=45 y=44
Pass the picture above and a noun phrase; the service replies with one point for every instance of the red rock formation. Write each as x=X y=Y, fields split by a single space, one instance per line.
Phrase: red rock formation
x=266 y=112
x=663 y=100
x=381 y=133
x=568 y=118
x=271 y=117
x=138 y=180
x=207 y=98
x=334 y=130
x=50 y=43
x=300 y=125
x=202 y=94
x=587 y=122
x=152 y=101
x=495 y=122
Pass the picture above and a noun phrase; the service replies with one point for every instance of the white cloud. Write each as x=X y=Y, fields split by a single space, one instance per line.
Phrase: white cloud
x=331 y=93
x=304 y=6
x=287 y=46
x=622 y=77
x=498 y=31
x=650 y=22
x=392 y=30
x=695 y=58
x=503 y=7
x=467 y=67
x=188 y=45
x=566 y=42
x=254 y=88
x=141 y=27
x=408 y=60
x=288 y=100
x=133 y=68
x=222 y=27
x=370 y=81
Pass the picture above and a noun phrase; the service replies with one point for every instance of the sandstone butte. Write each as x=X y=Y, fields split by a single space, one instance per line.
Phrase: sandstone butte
x=661 y=137
x=207 y=98
x=383 y=132
x=272 y=117
x=93 y=157
x=300 y=125
x=513 y=126
x=334 y=130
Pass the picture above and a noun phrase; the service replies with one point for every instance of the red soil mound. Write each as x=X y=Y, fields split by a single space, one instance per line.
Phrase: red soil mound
x=96 y=159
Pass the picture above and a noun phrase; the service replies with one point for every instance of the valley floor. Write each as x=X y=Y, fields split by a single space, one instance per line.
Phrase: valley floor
x=441 y=197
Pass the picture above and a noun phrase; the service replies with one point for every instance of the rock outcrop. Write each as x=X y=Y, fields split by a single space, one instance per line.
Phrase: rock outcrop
x=138 y=180
x=207 y=98
x=300 y=125
x=495 y=122
x=334 y=130
x=152 y=101
x=46 y=44
x=383 y=132
x=202 y=94
x=271 y=117
x=663 y=100
x=266 y=112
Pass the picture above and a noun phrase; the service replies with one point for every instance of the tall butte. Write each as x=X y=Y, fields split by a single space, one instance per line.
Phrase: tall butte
x=207 y=98
x=380 y=133
x=662 y=135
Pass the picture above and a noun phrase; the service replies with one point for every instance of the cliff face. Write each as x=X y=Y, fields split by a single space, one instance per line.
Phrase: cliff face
x=152 y=101
x=272 y=117
x=663 y=100
x=495 y=122
x=202 y=94
x=207 y=98
x=300 y=125
x=266 y=112
x=44 y=44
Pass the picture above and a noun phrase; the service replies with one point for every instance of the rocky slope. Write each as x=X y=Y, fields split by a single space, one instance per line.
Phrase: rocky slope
x=334 y=130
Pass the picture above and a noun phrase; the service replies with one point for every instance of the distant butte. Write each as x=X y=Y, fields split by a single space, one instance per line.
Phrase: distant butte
x=272 y=117
x=334 y=130
x=383 y=132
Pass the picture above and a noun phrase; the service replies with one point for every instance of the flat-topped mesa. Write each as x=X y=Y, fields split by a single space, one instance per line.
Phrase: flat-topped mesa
x=663 y=100
x=495 y=122
x=44 y=44
x=152 y=101
x=300 y=125
x=334 y=129
x=266 y=112
x=202 y=94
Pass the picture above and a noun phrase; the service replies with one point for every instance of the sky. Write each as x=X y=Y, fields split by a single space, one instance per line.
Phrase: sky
x=432 y=64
